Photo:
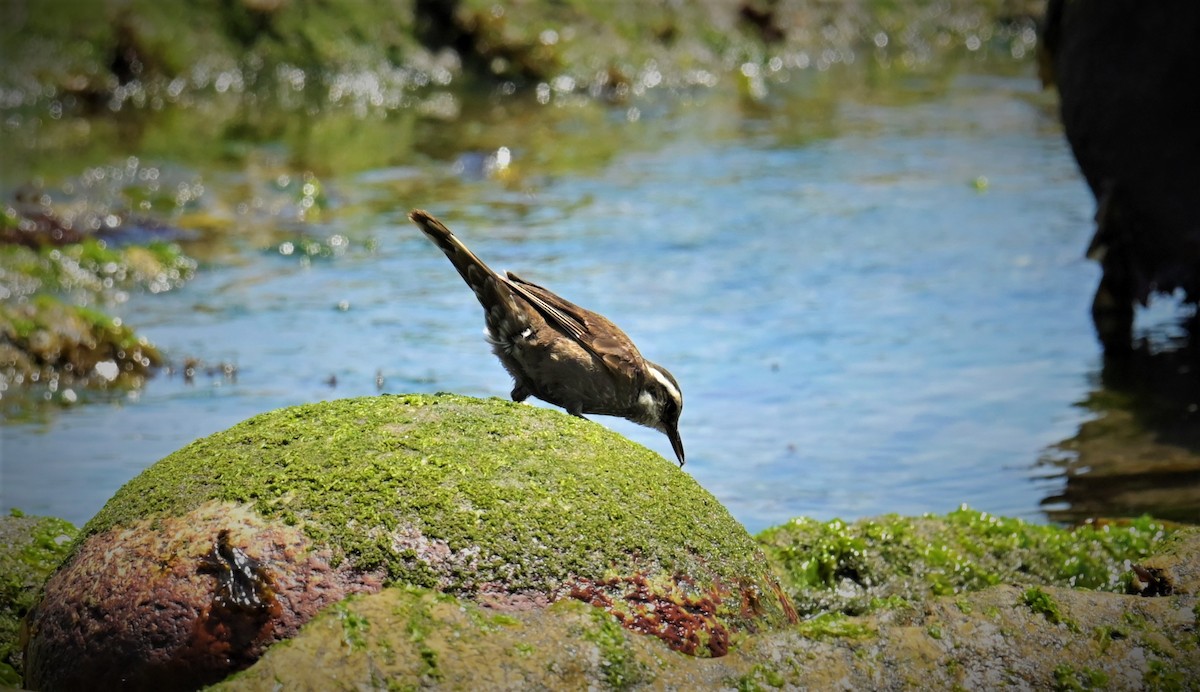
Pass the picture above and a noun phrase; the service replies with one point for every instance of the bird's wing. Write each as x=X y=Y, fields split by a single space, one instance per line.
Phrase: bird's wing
x=592 y=331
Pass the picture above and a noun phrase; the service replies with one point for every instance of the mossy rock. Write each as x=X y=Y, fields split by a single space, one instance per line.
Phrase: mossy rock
x=999 y=637
x=46 y=339
x=892 y=560
x=509 y=505
x=407 y=638
x=509 y=494
x=30 y=549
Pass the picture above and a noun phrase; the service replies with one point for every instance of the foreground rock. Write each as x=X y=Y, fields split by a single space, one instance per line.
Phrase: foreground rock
x=1000 y=637
x=231 y=544
x=1025 y=632
x=30 y=549
x=836 y=567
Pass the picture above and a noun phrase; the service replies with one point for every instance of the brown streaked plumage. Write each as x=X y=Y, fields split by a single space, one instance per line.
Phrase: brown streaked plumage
x=559 y=352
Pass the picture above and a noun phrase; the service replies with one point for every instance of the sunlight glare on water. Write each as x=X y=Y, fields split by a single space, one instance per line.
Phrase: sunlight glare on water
x=858 y=325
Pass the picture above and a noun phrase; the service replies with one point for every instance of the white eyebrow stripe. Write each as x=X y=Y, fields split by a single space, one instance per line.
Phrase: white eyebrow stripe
x=666 y=383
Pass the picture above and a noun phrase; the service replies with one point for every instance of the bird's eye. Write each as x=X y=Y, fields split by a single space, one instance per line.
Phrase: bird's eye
x=671 y=410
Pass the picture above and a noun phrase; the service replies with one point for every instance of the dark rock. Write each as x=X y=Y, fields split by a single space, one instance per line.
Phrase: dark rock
x=144 y=607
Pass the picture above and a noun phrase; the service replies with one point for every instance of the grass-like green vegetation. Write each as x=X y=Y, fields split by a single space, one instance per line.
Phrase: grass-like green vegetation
x=30 y=549
x=856 y=568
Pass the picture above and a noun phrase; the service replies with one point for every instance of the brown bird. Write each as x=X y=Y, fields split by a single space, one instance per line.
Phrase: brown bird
x=560 y=352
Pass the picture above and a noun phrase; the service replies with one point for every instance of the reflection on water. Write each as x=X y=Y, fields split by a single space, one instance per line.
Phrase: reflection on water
x=1140 y=454
x=871 y=290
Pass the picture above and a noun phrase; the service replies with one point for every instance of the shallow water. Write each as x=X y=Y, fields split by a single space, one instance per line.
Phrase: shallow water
x=875 y=301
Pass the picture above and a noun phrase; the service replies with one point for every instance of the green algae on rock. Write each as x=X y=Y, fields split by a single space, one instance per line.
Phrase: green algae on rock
x=30 y=549
x=509 y=505
x=55 y=336
x=46 y=340
x=143 y=53
x=93 y=267
x=857 y=567
x=405 y=638
x=485 y=497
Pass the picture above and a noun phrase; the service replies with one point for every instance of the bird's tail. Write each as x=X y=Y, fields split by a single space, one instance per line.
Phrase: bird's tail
x=489 y=287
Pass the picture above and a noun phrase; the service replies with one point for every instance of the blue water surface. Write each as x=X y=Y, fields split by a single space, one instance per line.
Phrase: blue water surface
x=885 y=315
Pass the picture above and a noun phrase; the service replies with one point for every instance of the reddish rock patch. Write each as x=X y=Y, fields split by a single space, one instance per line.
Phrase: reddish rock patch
x=687 y=618
x=180 y=602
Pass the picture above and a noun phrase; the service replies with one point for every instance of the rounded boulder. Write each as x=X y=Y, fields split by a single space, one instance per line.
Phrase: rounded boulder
x=232 y=543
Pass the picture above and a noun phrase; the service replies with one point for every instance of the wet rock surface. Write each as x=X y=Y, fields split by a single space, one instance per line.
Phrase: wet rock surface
x=66 y=260
x=178 y=602
x=142 y=55
x=60 y=345
x=1023 y=632
x=1003 y=636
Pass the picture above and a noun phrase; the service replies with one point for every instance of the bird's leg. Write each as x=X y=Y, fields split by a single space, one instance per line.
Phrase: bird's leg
x=559 y=352
x=1112 y=314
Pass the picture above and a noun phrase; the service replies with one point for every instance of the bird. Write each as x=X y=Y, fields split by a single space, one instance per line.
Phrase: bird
x=559 y=352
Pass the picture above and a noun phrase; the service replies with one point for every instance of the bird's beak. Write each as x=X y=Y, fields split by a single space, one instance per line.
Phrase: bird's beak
x=676 y=444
